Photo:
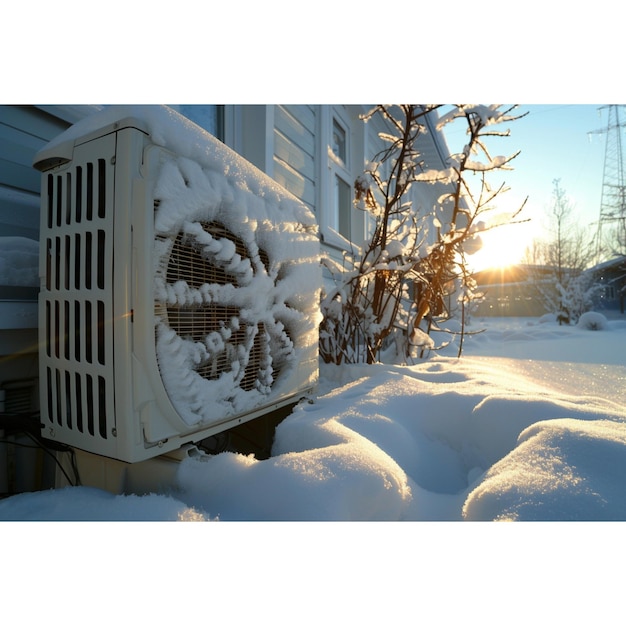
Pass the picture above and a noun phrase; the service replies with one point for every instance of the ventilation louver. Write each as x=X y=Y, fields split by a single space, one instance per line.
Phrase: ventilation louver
x=179 y=287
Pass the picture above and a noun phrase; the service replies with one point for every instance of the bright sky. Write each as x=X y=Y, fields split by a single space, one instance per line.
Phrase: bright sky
x=556 y=141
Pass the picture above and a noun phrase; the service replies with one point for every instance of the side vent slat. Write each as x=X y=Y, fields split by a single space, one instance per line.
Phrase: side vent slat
x=101 y=188
x=50 y=200
x=68 y=198
x=59 y=199
x=79 y=277
x=89 y=213
x=80 y=408
x=78 y=264
x=79 y=194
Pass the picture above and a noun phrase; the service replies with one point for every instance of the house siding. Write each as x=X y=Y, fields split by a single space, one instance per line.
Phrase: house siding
x=295 y=130
x=23 y=131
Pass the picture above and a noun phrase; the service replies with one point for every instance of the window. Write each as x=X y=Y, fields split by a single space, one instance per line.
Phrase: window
x=340 y=213
x=339 y=142
x=207 y=116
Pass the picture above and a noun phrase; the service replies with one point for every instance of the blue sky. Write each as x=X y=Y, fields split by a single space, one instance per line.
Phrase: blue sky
x=555 y=143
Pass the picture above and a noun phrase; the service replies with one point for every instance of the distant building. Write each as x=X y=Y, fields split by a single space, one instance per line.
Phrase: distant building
x=513 y=290
x=510 y=291
x=611 y=275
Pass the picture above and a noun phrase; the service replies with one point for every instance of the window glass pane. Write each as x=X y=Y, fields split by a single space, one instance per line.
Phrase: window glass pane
x=339 y=141
x=207 y=116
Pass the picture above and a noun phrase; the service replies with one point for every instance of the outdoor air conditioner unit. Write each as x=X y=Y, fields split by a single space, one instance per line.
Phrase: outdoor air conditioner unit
x=179 y=287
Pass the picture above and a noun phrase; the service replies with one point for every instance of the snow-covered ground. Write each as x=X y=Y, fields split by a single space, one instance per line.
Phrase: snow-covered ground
x=530 y=424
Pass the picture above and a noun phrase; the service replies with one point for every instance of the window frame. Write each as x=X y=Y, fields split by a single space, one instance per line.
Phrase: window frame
x=339 y=173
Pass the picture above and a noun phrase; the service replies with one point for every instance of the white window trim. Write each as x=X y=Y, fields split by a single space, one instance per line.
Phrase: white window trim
x=331 y=167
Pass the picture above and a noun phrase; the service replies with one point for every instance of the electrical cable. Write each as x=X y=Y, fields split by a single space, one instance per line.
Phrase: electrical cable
x=38 y=446
x=28 y=425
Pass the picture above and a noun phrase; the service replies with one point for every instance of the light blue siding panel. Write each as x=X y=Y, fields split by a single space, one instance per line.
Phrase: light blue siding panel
x=19 y=214
x=18 y=176
x=297 y=124
x=32 y=121
x=23 y=131
x=292 y=154
x=294 y=151
x=292 y=180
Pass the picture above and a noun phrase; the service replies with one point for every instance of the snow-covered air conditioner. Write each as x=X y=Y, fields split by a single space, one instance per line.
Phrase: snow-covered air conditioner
x=179 y=286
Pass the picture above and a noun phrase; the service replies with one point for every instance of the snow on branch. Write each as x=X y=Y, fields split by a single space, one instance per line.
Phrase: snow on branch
x=406 y=279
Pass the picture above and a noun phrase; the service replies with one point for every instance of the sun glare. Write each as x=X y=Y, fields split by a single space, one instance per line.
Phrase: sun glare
x=500 y=249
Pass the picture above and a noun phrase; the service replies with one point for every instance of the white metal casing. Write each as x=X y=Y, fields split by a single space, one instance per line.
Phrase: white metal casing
x=139 y=351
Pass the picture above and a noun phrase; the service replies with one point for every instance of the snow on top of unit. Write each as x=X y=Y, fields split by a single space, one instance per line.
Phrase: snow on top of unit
x=171 y=130
x=259 y=246
x=211 y=197
x=272 y=278
x=218 y=209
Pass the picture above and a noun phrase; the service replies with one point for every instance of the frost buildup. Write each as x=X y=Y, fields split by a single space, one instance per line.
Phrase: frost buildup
x=231 y=266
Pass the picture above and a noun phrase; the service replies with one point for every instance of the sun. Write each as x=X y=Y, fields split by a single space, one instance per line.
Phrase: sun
x=501 y=247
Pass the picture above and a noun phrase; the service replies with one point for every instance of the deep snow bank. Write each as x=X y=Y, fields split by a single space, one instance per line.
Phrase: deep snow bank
x=568 y=470
x=403 y=443
x=484 y=437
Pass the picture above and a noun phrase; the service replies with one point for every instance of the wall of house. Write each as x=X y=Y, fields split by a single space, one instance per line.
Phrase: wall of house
x=293 y=145
x=23 y=130
x=295 y=156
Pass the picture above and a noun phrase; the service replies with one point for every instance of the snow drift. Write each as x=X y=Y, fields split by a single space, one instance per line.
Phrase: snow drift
x=484 y=437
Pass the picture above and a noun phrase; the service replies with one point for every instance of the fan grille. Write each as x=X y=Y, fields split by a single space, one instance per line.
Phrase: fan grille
x=252 y=352
x=187 y=263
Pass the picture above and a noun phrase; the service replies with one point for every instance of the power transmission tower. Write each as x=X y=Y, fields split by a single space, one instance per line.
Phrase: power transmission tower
x=611 y=232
